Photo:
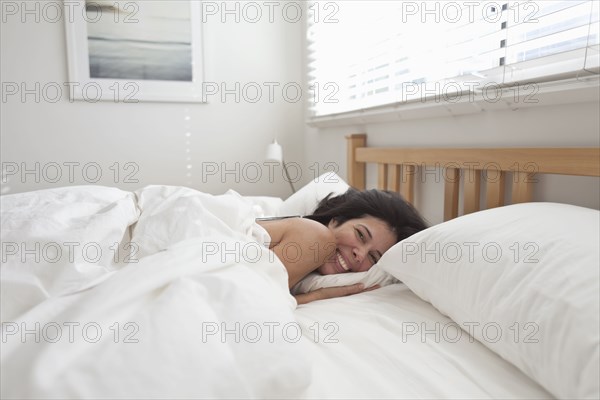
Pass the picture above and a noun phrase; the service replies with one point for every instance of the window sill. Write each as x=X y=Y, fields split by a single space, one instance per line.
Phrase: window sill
x=569 y=91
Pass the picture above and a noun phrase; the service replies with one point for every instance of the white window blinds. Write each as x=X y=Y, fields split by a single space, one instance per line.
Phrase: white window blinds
x=363 y=54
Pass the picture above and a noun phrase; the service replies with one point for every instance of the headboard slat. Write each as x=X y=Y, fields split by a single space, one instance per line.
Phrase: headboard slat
x=407 y=186
x=494 y=192
x=451 y=188
x=382 y=176
x=472 y=185
x=394 y=178
x=522 y=188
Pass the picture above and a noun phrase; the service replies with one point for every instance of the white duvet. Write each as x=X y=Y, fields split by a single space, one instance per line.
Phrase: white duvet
x=181 y=319
x=176 y=297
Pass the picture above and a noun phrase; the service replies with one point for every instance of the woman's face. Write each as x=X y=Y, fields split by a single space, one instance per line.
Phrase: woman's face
x=360 y=243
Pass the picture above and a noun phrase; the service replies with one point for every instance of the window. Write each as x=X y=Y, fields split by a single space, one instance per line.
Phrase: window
x=364 y=54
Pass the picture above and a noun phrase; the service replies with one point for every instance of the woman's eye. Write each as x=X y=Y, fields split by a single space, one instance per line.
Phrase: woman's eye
x=360 y=235
x=373 y=259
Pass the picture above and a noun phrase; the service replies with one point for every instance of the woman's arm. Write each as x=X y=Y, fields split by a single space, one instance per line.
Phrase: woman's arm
x=331 y=292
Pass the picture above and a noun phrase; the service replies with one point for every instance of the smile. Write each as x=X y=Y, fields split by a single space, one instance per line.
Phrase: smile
x=342 y=262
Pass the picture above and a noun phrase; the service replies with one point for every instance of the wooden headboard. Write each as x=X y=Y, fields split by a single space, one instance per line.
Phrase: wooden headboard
x=397 y=168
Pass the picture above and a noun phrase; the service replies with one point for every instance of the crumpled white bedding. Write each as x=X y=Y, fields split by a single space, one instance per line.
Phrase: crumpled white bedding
x=192 y=305
x=187 y=319
x=57 y=242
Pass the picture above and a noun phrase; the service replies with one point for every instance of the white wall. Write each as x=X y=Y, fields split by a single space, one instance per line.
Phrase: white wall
x=152 y=135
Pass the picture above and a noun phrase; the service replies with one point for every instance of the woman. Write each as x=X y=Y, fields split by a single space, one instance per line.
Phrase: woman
x=346 y=233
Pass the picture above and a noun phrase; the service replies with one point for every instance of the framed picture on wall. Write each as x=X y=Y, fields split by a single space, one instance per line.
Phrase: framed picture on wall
x=131 y=51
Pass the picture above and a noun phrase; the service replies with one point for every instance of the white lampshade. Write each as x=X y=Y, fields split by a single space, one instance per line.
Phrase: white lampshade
x=274 y=152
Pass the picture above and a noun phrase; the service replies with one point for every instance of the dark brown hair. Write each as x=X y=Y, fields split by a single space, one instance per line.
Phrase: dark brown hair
x=402 y=218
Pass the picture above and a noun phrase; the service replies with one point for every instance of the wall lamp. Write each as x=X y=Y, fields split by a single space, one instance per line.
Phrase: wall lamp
x=275 y=154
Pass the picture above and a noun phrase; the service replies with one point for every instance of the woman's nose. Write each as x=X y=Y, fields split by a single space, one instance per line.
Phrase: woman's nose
x=359 y=254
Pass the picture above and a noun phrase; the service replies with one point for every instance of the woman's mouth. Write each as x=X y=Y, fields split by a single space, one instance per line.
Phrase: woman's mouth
x=341 y=263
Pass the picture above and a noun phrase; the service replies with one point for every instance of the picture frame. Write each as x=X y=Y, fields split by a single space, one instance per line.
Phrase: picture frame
x=132 y=51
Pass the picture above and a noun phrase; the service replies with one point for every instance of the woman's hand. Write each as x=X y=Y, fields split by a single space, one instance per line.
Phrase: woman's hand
x=332 y=292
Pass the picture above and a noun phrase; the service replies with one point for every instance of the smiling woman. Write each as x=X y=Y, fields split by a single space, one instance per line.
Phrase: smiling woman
x=346 y=233
x=360 y=243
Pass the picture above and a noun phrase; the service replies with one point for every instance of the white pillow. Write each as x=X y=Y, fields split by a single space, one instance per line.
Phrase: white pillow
x=372 y=277
x=524 y=280
x=305 y=200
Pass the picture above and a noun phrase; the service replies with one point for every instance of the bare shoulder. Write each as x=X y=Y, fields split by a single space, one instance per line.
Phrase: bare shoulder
x=312 y=229
x=301 y=244
x=299 y=229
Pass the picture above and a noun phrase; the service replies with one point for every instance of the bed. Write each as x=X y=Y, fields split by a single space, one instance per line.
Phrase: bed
x=168 y=292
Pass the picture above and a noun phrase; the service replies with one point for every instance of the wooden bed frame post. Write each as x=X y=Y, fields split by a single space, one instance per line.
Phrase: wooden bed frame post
x=356 y=170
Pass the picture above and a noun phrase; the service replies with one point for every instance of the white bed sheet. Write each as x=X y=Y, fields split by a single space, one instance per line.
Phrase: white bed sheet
x=374 y=359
